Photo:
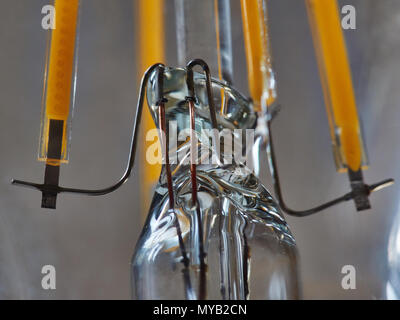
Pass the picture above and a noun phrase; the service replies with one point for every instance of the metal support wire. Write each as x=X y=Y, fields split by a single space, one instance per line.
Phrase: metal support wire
x=164 y=140
x=361 y=191
x=55 y=189
x=193 y=150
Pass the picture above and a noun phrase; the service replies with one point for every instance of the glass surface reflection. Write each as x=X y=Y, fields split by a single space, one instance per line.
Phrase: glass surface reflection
x=250 y=251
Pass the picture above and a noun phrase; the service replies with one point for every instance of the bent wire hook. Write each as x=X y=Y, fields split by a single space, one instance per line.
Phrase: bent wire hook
x=54 y=189
x=359 y=188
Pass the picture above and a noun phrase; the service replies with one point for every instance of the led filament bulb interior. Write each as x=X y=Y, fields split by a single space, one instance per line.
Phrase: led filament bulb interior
x=338 y=89
x=213 y=230
x=247 y=247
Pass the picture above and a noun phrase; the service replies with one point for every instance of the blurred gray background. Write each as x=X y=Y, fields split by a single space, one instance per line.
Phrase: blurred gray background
x=90 y=241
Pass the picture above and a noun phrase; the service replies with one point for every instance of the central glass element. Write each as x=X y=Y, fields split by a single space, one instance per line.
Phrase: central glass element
x=250 y=252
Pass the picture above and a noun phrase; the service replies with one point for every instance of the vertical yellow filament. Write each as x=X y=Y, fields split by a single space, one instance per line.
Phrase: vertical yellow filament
x=336 y=79
x=258 y=57
x=217 y=33
x=151 y=46
x=60 y=69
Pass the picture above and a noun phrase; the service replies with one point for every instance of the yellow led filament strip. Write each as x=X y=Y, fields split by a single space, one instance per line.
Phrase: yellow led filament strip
x=60 y=77
x=259 y=68
x=337 y=84
x=151 y=46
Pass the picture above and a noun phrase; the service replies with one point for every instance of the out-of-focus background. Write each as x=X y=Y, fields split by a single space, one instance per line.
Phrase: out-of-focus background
x=90 y=240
